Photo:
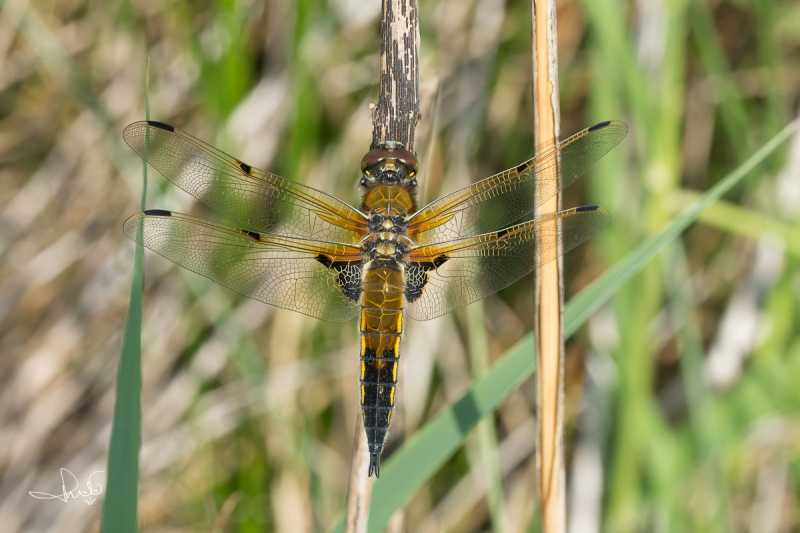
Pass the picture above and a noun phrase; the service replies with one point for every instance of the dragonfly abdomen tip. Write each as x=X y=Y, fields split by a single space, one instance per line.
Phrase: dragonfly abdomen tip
x=374 y=465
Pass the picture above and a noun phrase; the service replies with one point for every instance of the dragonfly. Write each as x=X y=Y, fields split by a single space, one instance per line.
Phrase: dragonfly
x=297 y=248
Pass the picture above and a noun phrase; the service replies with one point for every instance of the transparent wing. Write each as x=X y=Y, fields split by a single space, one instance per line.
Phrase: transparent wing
x=310 y=277
x=506 y=197
x=254 y=198
x=444 y=277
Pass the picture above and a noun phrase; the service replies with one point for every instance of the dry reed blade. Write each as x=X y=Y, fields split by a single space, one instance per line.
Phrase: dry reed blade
x=548 y=288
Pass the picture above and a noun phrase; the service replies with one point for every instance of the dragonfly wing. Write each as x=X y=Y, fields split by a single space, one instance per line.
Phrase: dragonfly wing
x=504 y=198
x=315 y=278
x=252 y=197
x=444 y=277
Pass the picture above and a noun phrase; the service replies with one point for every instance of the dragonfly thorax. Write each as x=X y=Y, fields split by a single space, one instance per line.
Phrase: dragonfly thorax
x=388 y=201
x=388 y=223
x=386 y=246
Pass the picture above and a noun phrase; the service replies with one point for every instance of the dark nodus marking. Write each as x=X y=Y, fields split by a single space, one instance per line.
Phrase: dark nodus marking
x=599 y=126
x=158 y=213
x=585 y=208
x=502 y=233
x=247 y=168
x=522 y=168
x=161 y=125
x=255 y=235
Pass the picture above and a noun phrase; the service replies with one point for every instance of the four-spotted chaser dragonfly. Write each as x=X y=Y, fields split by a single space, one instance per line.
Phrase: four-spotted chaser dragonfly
x=300 y=249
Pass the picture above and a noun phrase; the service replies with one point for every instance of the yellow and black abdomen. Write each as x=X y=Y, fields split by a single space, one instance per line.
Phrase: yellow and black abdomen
x=381 y=329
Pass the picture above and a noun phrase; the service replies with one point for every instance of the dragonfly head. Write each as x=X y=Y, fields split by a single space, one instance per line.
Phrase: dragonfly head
x=389 y=164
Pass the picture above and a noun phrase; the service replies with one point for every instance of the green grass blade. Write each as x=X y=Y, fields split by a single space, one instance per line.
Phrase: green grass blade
x=417 y=461
x=120 y=505
x=745 y=222
x=484 y=456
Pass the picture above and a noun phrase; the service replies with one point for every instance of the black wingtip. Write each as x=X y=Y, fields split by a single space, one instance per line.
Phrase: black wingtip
x=158 y=213
x=585 y=208
x=599 y=125
x=161 y=125
x=374 y=465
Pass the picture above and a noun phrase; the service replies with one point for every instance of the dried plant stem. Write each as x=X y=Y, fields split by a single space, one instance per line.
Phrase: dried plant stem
x=549 y=289
x=394 y=118
x=359 y=491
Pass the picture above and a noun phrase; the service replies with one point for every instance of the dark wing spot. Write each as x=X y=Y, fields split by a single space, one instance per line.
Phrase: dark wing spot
x=161 y=125
x=523 y=167
x=255 y=235
x=416 y=279
x=599 y=126
x=585 y=208
x=417 y=276
x=158 y=213
x=247 y=168
x=502 y=233
x=348 y=276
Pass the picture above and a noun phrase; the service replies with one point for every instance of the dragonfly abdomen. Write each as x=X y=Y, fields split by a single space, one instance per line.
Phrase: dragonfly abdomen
x=381 y=330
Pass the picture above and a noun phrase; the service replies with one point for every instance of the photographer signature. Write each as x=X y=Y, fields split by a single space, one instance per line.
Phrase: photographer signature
x=76 y=493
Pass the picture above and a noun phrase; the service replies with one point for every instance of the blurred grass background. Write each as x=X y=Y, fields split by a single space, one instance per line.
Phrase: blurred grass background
x=682 y=395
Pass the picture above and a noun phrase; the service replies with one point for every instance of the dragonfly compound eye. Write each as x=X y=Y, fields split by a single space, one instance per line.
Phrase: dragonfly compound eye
x=407 y=158
x=373 y=156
